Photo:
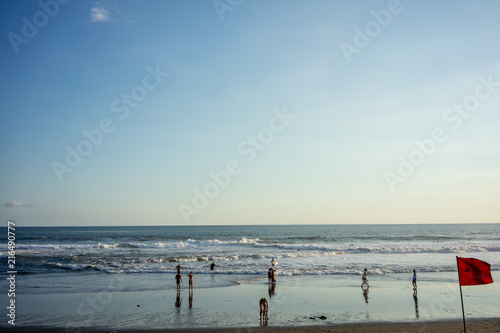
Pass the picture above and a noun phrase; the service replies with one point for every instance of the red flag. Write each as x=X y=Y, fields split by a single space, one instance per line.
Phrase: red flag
x=472 y=272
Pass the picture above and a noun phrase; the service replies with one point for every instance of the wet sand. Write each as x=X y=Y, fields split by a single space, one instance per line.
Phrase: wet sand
x=483 y=326
x=295 y=305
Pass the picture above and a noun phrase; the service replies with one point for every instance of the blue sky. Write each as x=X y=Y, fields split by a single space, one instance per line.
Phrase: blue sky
x=262 y=94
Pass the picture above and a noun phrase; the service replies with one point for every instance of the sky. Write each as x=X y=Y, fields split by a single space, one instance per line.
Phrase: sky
x=249 y=112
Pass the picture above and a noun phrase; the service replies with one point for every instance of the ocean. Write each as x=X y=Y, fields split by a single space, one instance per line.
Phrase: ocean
x=52 y=260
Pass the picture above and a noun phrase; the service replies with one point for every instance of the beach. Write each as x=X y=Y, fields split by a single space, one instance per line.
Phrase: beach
x=197 y=166
x=297 y=302
x=483 y=326
x=123 y=278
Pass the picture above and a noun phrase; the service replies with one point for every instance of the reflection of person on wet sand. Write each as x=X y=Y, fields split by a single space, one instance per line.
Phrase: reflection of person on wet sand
x=178 y=300
x=415 y=299
x=272 y=289
x=364 y=278
x=190 y=276
x=365 y=293
x=191 y=298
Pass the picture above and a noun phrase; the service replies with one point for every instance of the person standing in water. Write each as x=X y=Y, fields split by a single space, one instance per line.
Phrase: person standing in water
x=178 y=280
x=364 y=278
x=190 y=276
x=212 y=266
x=273 y=262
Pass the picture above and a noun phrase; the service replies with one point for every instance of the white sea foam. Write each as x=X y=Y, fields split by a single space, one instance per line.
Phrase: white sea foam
x=262 y=272
x=408 y=248
x=299 y=250
x=74 y=266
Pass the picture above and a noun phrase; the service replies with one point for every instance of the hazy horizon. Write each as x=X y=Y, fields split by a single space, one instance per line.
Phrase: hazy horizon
x=249 y=112
x=239 y=225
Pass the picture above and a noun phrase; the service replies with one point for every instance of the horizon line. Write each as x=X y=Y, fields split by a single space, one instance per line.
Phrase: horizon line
x=240 y=225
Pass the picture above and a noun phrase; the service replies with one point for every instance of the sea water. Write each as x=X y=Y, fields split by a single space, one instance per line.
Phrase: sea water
x=52 y=260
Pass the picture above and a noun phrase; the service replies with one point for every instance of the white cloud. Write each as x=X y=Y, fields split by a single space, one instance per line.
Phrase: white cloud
x=11 y=204
x=99 y=14
x=107 y=11
x=14 y=203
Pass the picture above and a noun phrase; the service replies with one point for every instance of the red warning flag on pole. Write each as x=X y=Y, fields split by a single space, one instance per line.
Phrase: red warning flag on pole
x=473 y=271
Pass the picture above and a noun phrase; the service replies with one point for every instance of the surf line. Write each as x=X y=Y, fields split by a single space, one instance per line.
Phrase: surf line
x=249 y=149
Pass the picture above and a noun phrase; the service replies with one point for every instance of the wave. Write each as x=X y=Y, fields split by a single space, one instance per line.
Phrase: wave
x=65 y=246
x=176 y=244
x=258 y=274
x=428 y=249
x=370 y=238
x=194 y=243
x=190 y=247
x=387 y=249
x=78 y=267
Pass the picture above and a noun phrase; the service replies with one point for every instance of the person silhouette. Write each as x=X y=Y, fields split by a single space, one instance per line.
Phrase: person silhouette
x=364 y=278
x=263 y=305
x=190 y=276
x=273 y=276
x=178 y=281
x=414 y=280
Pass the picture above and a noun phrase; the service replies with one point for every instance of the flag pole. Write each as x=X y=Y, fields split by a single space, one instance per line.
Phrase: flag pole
x=461 y=298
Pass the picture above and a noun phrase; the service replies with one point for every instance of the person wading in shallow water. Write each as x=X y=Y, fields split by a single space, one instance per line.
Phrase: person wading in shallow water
x=178 y=280
x=364 y=278
x=190 y=276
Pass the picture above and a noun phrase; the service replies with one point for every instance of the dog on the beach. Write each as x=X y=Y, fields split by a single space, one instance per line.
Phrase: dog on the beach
x=263 y=308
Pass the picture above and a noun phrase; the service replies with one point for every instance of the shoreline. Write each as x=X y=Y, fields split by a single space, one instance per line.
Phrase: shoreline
x=483 y=325
x=295 y=302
